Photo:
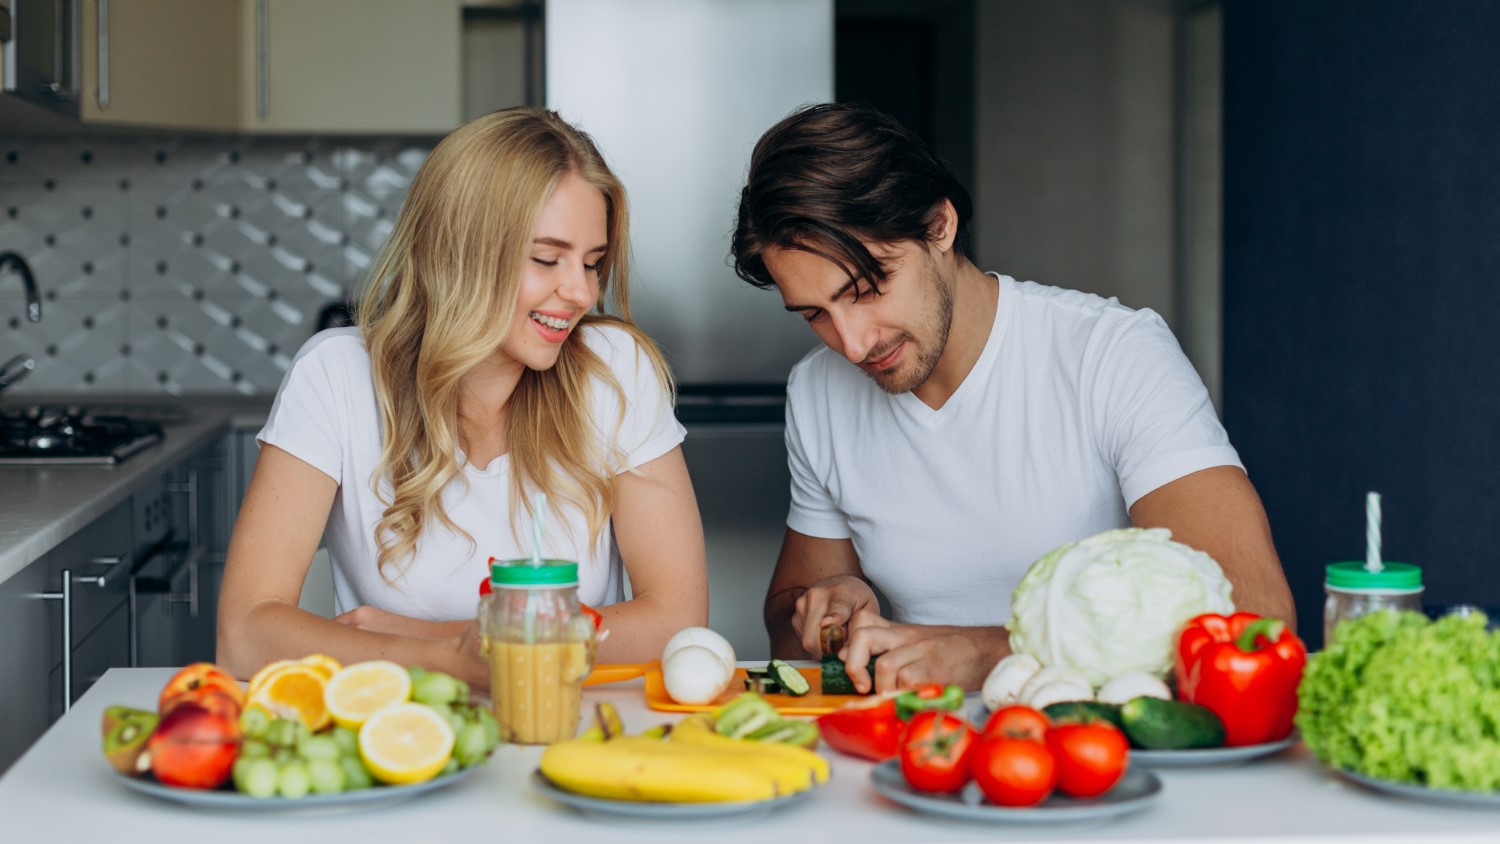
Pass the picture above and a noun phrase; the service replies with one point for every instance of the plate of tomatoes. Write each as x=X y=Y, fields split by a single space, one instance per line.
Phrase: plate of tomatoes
x=1019 y=768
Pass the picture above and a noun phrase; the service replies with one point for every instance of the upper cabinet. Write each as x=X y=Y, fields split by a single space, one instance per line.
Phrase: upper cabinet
x=350 y=66
x=273 y=66
x=170 y=63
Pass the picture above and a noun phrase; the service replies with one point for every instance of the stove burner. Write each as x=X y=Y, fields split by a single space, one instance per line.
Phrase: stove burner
x=71 y=436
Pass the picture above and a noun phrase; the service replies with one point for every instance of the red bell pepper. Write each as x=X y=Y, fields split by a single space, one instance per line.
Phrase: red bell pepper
x=1245 y=669
x=871 y=727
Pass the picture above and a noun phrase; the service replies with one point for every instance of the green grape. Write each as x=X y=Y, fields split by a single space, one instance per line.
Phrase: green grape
x=281 y=732
x=435 y=689
x=356 y=775
x=348 y=740
x=299 y=732
x=471 y=746
x=259 y=779
x=293 y=780
x=254 y=722
x=487 y=720
x=455 y=718
x=451 y=767
x=416 y=672
x=237 y=772
x=252 y=748
x=283 y=755
x=463 y=691
x=319 y=747
x=326 y=776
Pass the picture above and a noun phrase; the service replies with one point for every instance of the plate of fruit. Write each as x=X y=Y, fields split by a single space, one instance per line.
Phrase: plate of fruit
x=306 y=734
x=741 y=758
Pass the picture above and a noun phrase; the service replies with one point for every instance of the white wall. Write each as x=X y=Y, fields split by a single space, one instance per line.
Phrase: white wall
x=1073 y=160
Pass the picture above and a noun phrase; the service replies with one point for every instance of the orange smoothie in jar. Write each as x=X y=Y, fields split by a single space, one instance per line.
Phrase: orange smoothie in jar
x=537 y=689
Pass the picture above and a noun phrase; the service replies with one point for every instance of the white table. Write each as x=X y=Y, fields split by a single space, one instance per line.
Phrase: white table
x=63 y=791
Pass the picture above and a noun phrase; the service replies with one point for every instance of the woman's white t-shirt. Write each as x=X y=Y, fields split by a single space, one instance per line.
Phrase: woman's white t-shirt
x=1076 y=408
x=325 y=414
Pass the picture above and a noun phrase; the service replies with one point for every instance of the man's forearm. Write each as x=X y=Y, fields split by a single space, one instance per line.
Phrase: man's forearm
x=779 y=609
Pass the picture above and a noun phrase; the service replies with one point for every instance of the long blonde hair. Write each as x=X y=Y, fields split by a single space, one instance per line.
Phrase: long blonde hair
x=439 y=300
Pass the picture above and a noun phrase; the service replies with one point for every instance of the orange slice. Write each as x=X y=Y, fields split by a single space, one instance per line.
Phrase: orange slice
x=294 y=691
x=364 y=688
x=265 y=673
x=406 y=743
x=324 y=663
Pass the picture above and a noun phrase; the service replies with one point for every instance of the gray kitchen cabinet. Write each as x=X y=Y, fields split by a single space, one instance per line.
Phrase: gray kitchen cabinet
x=142 y=589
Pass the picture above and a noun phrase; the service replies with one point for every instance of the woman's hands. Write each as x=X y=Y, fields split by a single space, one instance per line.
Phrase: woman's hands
x=455 y=644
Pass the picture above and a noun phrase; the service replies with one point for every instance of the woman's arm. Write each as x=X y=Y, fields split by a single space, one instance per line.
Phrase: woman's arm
x=660 y=537
x=275 y=537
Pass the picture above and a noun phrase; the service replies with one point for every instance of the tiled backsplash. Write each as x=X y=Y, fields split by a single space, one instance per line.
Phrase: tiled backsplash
x=187 y=265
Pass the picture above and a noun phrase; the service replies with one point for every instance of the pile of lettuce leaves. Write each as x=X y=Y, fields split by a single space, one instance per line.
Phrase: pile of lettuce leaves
x=1398 y=697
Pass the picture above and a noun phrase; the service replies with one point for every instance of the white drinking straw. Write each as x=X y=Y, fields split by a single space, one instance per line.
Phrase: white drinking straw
x=538 y=513
x=1372 y=532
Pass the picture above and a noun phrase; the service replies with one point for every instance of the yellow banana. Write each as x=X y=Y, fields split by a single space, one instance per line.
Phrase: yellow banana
x=644 y=769
x=698 y=730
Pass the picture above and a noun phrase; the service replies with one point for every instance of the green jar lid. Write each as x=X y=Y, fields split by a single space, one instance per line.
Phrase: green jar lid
x=514 y=573
x=1354 y=575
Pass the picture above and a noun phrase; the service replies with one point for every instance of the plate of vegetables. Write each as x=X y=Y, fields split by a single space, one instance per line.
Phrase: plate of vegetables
x=1020 y=769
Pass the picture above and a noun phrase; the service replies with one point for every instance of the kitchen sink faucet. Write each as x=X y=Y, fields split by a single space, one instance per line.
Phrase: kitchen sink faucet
x=20 y=366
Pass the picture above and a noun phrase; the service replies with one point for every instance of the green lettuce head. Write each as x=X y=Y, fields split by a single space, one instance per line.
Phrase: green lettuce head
x=1114 y=603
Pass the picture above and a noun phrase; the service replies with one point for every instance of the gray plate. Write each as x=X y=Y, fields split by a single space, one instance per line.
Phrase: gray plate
x=219 y=799
x=1200 y=758
x=1206 y=756
x=1135 y=791
x=1489 y=799
x=637 y=809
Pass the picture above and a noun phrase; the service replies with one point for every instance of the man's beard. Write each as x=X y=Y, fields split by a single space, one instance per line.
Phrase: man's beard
x=906 y=379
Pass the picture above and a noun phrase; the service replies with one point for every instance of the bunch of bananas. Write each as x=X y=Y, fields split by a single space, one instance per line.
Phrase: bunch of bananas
x=692 y=762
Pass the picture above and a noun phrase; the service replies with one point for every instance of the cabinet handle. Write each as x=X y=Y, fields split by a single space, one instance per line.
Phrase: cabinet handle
x=65 y=594
x=103 y=45
x=117 y=564
x=262 y=59
x=190 y=489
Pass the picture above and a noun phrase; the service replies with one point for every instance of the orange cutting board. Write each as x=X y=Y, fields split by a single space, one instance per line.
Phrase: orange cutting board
x=812 y=703
x=608 y=673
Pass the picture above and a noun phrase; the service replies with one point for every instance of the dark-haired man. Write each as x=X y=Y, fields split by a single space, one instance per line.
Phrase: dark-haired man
x=959 y=424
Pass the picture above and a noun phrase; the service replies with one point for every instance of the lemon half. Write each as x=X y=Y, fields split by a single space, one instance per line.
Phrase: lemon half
x=405 y=743
x=364 y=688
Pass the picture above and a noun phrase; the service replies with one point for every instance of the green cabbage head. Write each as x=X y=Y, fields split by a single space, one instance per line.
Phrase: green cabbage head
x=1114 y=603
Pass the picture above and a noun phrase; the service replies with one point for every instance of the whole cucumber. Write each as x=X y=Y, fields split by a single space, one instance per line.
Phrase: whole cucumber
x=1155 y=724
x=1084 y=712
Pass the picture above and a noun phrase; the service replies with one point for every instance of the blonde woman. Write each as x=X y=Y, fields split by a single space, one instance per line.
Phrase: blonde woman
x=484 y=368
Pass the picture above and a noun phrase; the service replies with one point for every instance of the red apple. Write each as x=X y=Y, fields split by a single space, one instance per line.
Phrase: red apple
x=197 y=678
x=211 y=698
x=194 y=746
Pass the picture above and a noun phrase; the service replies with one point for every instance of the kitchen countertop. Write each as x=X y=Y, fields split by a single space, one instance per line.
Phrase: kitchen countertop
x=40 y=506
x=62 y=790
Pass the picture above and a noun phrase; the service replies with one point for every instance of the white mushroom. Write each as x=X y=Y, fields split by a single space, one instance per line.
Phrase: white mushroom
x=1003 y=685
x=1052 y=685
x=1133 y=685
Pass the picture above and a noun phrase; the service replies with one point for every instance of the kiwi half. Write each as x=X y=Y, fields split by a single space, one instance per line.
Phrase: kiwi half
x=125 y=740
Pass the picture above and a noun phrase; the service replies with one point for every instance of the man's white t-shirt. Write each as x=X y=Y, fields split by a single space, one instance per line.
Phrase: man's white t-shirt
x=1076 y=408
x=325 y=414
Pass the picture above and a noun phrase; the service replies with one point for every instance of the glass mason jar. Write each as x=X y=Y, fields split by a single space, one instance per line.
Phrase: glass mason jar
x=540 y=646
x=1353 y=591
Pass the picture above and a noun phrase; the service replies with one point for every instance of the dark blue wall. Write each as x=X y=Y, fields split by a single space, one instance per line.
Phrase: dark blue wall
x=1362 y=281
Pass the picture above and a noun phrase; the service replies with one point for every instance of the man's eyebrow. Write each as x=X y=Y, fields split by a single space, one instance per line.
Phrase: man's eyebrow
x=837 y=295
x=563 y=244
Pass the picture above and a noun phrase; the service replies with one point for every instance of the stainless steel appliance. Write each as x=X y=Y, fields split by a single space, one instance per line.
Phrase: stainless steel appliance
x=676 y=92
x=72 y=436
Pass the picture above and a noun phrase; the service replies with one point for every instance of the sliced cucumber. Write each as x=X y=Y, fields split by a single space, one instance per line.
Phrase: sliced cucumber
x=791 y=680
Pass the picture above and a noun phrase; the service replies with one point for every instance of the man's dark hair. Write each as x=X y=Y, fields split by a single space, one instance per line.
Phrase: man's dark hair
x=830 y=176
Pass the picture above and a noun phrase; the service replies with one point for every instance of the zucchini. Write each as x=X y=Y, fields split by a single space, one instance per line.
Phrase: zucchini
x=789 y=678
x=1155 y=724
x=836 y=680
x=1084 y=712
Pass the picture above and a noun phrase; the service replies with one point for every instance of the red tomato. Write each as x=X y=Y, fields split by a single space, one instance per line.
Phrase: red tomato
x=935 y=751
x=1014 y=771
x=1017 y=722
x=1090 y=757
